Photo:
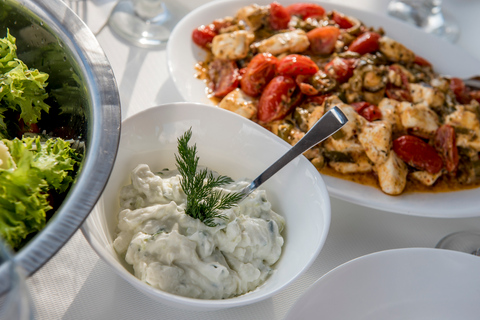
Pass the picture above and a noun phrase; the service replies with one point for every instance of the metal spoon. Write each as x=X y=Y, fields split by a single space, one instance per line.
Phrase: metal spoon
x=331 y=122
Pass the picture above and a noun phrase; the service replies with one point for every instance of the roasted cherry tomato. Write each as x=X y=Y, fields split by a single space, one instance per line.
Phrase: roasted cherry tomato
x=296 y=64
x=224 y=77
x=418 y=153
x=340 y=69
x=365 y=43
x=367 y=110
x=475 y=94
x=322 y=39
x=277 y=99
x=319 y=100
x=342 y=21
x=306 y=10
x=204 y=35
x=316 y=84
x=259 y=71
x=401 y=93
x=279 y=16
x=422 y=62
x=446 y=144
x=460 y=90
x=24 y=128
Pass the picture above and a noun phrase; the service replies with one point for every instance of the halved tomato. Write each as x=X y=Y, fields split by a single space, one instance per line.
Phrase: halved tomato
x=296 y=64
x=259 y=71
x=306 y=10
x=224 y=77
x=340 y=69
x=323 y=39
x=418 y=153
x=278 y=99
x=279 y=16
x=367 y=42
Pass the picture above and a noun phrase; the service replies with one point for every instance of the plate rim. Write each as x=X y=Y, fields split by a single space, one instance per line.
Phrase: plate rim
x=371 y=197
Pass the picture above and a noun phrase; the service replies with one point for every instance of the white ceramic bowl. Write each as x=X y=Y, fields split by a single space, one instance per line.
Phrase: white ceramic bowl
x=232 y=146
x=410 y=283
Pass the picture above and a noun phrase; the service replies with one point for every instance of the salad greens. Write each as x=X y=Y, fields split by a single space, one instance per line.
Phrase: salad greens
x=30 y=170
x=22 y=89
x=34 y=171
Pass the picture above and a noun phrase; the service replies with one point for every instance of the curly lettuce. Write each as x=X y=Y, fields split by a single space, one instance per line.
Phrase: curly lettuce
x=21 y=89
x=29 y=171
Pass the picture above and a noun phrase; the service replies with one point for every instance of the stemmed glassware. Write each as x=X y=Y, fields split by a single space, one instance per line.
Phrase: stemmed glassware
x=464 y=241
x=15 y=300
x=144 y=23
x=427 y=15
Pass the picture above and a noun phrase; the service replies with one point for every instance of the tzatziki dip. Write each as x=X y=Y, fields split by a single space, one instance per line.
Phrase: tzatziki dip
x=176 y=253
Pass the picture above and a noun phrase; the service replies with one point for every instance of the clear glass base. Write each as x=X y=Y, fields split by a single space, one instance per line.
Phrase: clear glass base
x=426 y=15
x=464 y=241
x=128 y=22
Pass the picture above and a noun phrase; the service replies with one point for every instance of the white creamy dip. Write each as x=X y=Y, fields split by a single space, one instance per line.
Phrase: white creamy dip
x=176 y=253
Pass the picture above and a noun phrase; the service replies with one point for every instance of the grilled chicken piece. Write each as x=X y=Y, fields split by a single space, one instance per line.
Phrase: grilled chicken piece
x=395 y=51
x=392 y=175
x=426 y=178
x=232 y=45
x=418 y=117
x=361 y=165
x=239 y=102
x=254 y=16
x=422 y=93
x=389 y=110
x=376 y=139
x=461 y=118
x=292 y=41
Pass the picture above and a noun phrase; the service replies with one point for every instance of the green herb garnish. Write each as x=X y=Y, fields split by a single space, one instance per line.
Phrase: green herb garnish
x=203 y=201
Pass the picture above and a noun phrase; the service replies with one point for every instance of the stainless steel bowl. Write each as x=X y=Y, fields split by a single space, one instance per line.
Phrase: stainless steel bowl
x=51 y=38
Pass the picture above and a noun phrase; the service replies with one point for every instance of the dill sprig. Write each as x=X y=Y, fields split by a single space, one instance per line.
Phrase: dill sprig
x=203 y=201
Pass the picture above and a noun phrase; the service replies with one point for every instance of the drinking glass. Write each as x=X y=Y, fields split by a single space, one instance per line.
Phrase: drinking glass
x=427 y=15
x=15 y=300
x=144 y=23
x=464 y=241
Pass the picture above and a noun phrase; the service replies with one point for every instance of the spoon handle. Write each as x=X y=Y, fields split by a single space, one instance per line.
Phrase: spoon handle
x=331 y=122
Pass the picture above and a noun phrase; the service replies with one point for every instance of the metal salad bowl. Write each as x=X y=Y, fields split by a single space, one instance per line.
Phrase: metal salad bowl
x=52 y=39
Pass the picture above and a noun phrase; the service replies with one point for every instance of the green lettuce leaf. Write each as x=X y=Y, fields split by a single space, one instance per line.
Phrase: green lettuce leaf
x=21 y=89
x=40 y=169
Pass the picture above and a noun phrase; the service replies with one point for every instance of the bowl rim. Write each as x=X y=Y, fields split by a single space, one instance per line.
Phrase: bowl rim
x=211 y=304
x=104 y=125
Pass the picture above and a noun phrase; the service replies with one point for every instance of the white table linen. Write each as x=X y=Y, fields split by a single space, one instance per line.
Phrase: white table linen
x=77 y=284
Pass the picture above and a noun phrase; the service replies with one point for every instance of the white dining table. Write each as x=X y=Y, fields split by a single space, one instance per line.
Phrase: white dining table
x=77 y=284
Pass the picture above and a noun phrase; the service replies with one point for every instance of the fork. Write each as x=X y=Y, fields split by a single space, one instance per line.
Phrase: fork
x=79 y=7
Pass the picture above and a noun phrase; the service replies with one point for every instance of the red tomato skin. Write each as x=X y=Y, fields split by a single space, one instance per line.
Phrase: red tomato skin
x=306 y=10
x=475 y=94
x=342 y=21
x=259 y=71
x=365 y=43
x=422 y=61
x=340 y=69
x=204 y=35
x=323 y=39
x=275 y=101
x=367 y=110
x=446 y=144
x=418 y=153
x=296 y=64
x=279 y=16
x=460 y=90
x=224 y=76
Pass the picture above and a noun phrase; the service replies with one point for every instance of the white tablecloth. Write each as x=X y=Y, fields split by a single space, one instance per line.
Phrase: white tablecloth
x=77 y=284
